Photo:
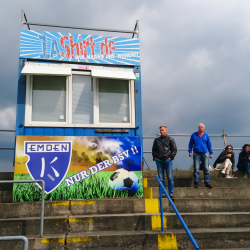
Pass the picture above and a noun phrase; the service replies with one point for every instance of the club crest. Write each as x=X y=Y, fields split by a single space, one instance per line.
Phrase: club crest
x=48 y=161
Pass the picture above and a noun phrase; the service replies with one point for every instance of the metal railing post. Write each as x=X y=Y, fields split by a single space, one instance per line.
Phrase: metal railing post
x=23 y=238
x=224 y=137
x=178 y=215
x=161 y=208
x=42 y=201
x=42 y=210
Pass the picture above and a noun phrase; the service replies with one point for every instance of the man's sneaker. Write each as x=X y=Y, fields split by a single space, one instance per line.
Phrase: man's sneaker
x=228 y=177
x=208 y=186
x=196 y=185
x=223 y=171
x=163 y=196
x=172 y=196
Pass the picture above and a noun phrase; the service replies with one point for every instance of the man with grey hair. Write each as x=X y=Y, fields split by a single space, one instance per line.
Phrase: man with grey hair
x=200 y=144
x=163 y=151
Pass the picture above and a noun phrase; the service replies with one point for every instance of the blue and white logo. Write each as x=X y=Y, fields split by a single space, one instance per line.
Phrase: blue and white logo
x=48 y=161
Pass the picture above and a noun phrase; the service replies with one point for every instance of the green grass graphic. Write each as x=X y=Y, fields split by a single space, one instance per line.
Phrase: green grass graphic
x=93 y=187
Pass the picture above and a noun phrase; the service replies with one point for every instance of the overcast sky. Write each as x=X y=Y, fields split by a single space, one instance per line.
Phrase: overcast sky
x=194 y=57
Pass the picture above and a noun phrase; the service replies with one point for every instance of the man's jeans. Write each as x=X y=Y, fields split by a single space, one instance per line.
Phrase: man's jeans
x=245 y=167
x=168 y=166
x=201 y=159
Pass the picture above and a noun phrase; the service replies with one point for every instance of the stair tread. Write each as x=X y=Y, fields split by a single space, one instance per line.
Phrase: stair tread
x=123 y=215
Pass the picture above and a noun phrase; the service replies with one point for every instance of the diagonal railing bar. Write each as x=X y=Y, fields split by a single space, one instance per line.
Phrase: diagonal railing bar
x=23 y=238
x=162 y=189
x=42 y=201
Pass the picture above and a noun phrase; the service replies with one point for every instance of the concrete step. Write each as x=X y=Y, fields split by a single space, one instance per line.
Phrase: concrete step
x=31 y=226
x=202 y=192
x=6 y=187
x=120 y=222
x=234 y=238
x=147 y=240
x=215 y=182
x=189 y=174
x=6 y=175
x=215 y=238
x=119 y=206
x=77 y=207
x=6 y=196
x=186 y=205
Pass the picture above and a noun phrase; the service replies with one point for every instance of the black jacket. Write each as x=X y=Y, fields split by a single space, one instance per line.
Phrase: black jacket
x=243 y=157
x=223 y=156
x=164 y=148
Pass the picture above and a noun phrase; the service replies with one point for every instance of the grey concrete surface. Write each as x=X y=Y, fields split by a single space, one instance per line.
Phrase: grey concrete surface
x=215 y=182
x=202 y=192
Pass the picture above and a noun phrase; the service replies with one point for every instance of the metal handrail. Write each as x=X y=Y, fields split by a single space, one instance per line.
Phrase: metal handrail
x=162 y=188
x=42 y=201
x=23 y=238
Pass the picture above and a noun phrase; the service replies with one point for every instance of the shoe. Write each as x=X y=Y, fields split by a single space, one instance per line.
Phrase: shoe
x=163 y=196
x=196 y=186
x=208 y=186
x=223 y=171
x=171 y=196
x=228 y=177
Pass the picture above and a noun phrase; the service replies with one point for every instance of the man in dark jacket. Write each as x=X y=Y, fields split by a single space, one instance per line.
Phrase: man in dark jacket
x=244 y=160
x=163 y=151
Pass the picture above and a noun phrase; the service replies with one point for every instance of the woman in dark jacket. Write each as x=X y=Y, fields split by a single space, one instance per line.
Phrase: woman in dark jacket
x=225 y=161
x=244 y=159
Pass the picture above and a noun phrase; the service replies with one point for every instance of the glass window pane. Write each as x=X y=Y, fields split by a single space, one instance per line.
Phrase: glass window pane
x=82 y=100
x=114 y=101
x=49 y=98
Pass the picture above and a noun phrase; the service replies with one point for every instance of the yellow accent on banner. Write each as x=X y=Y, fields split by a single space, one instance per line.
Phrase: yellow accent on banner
x=151 y=206
x=156 y=222
x=78 y=239
x=47 y=241
x=82 y=202
x=145 y=182
x=148 y=193
x=81 y=219
x=167 y=242
x=64 y=203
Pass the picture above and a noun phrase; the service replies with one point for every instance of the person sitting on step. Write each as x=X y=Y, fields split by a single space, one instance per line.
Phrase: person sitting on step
x=244 y=159
x=225 y=161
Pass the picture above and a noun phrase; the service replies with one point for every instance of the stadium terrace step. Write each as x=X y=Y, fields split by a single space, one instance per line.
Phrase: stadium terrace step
x=233 y=238
x=6 y=175
x=215 y=238
x=189 y=174
x=118 y=222
x=215 y=182
x=202 y=192
x=31 y=226
x=186 y=205
x=6 y=189
x=77 y=207
x=5 y=196
x=51 y=242
x=146 y=240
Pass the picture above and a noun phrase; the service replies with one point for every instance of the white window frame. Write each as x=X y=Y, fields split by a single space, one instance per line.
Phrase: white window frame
x=28 y=106
x=68 y=122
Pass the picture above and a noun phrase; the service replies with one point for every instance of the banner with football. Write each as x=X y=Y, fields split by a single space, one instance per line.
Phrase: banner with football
x=77 y=167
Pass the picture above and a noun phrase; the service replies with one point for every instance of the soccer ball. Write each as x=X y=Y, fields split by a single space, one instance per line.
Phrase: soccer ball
x=123 y=179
